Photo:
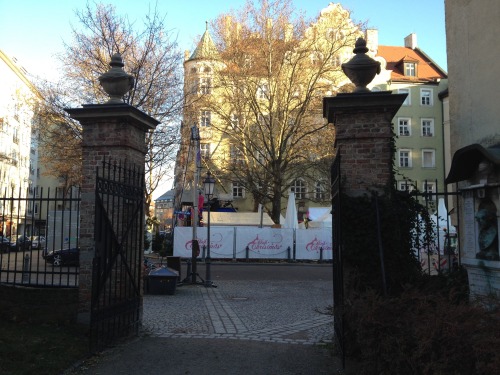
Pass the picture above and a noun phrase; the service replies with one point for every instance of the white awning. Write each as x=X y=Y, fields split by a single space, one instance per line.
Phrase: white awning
x=237 y=219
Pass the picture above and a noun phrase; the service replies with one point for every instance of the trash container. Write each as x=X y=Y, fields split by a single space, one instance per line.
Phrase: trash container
x=162 y=280
x=175 y=264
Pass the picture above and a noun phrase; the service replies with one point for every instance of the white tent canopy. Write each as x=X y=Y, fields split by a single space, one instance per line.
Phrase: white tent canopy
x=237 y=219
x=320 y=217
x=291 y=220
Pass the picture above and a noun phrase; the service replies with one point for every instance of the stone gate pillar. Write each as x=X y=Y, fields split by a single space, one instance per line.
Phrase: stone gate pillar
x=114 y=131
x=363 y=127
x=364 y=138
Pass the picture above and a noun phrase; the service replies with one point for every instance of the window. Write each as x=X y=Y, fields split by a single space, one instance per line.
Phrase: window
x=205 y=150
x=205 y=118
x=428 y=158
x=427 y=127
x=263 y=91
x=337 y=61
x=15 y=136
x=299 y=188
x=1 y=123
x=408 y=98
x=405 y=185
x=238 y=190
x=205 y=86
x=235 y=121
x=316 y=58
x=426 y=97
x=404 y=127
x=263 y=120
x=410 y=69
x=320 y=190
x=429 y=187
x=405 y=158
x=236 y=155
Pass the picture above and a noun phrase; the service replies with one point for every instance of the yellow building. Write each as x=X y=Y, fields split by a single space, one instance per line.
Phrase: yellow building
x=253 y=112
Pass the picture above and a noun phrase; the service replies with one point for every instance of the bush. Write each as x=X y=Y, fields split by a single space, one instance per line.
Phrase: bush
x=428 y=329
x=360 y=235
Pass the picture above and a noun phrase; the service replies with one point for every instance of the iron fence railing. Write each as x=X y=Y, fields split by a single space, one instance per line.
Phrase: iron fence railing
x=39 y=232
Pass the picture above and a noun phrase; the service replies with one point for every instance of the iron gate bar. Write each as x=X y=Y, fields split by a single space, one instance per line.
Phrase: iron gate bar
x=116 y=292
x=338 y=272
x=118 y=246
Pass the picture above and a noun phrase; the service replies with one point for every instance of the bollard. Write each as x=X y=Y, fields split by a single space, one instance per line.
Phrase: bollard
x=320 y=254
x=26 y=268
x=289 y=252
x=247 y=251
x=203 y=253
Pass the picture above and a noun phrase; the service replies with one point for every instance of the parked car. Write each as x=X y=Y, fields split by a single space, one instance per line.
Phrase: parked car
x=19 y=243
x=38 y=242
x=4 y=244
x=64 y=257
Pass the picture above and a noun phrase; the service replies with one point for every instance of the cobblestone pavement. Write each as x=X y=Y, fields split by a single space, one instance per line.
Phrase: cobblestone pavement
x=258 y=321
x=273 y=311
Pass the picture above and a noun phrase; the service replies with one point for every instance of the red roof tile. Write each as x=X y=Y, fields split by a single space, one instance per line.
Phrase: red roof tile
x=427 y=70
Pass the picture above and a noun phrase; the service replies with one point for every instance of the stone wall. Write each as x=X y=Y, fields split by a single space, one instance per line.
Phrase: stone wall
x=38 y=305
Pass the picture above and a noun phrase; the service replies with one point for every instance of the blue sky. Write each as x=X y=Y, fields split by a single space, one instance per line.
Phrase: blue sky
x=33 y=30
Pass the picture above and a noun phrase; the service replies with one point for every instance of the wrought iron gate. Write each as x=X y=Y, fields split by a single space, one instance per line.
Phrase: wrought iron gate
x=117 y=267
x=338 y=275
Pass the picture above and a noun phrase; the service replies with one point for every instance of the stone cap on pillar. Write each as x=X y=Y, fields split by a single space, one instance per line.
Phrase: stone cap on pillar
x=123 y=111
x=380 y=101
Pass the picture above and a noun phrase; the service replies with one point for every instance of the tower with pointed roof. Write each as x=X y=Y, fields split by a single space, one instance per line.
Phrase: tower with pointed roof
x=198 y=82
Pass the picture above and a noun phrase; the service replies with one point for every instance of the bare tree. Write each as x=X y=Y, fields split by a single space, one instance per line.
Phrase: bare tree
x=150 y=54
x=274 y=70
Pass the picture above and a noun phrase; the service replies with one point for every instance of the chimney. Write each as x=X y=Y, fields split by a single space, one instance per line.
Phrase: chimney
x=372 y=41
x=411 y=41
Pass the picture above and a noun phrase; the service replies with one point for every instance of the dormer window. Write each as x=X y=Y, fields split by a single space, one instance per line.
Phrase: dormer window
x=410 y=69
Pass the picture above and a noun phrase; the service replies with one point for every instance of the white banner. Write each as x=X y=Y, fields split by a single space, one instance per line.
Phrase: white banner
x=221 y=241
x=266 y=243
x=309 y=243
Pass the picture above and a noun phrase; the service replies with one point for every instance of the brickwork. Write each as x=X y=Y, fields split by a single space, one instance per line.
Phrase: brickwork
x=111 y=133
x=363 y=137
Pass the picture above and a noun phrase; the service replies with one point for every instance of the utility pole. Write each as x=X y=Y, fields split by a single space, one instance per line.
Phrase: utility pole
x=195 y=248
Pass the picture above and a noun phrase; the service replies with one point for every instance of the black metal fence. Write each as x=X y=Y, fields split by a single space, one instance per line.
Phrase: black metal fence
x=436 y=239
x=39 y=232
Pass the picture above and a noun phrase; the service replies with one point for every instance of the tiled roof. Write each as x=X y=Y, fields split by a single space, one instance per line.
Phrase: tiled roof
x=205 y=49
x=427 y=70
x=168 y=196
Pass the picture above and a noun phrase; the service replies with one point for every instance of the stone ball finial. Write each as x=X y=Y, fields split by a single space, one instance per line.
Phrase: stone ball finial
x=116 y=82
x=361 y=69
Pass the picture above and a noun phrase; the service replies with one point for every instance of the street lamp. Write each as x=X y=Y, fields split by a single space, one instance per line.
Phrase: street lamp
x=209 y=184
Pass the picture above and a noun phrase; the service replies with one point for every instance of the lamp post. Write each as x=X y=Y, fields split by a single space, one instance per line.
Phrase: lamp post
x=209 y=184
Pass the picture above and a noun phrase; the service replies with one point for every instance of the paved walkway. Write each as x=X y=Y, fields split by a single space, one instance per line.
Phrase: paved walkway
x=240 y=327
x=287 y=312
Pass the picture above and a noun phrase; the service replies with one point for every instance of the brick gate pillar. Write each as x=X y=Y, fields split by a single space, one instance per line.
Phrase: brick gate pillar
x=114 y=131
x=364 y=138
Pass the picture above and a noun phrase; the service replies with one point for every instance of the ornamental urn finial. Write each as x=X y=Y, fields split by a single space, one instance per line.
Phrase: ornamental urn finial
x=116 y=82
x=361 y=69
